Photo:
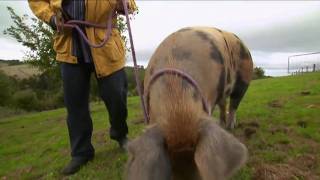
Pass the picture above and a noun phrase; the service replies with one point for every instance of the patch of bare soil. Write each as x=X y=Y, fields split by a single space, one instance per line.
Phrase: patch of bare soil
x=302 y=123
x=249 y=128
x=64 y=151
x=253 y=124
x=18 y=173
x=303 y=166
x=281 y=172
x=100 y=136
x=248 y=132
x=313 y=106
x=305 y=93
x=280 y=129
x=137 y=121
x=305 y=162
x=276 y=104
x=60 y=120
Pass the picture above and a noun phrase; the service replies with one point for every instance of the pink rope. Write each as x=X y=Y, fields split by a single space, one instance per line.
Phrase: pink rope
x=75 y=24
x=183 y=75
x=136 y=70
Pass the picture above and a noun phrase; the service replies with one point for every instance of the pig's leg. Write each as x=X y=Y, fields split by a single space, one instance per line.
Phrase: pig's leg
x=223 y=113
x=235 y=98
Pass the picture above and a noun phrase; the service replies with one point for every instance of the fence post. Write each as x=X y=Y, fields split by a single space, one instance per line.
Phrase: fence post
x=314 y=68
x=288 y=64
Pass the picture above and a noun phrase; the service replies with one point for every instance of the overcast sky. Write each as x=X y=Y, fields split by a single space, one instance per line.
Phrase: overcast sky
x=273 y=30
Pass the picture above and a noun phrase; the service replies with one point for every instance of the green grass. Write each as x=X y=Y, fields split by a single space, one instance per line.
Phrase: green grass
x=286 y=129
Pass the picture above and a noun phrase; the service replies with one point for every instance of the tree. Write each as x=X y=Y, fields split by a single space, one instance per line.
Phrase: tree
x=258 y=73
x=37 y=37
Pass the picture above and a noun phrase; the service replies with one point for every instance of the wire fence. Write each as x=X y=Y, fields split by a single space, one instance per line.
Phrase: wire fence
x=303 y=63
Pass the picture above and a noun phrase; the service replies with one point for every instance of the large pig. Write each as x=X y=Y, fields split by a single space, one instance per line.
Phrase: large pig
x=182 y=141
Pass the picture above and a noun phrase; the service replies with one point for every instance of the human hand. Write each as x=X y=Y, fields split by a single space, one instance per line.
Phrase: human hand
x=120 y=8
x=53 y=22
x=57 y=21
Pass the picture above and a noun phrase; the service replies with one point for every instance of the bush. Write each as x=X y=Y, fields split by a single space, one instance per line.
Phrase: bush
x=6 y=87
x=7 y=112
x=51 y=100
x=25 y=99
x=132 y=87
x=258 y=73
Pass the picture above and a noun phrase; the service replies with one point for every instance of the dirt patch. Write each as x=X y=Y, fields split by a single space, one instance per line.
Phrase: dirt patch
x=18 y=173
x=248 y=132
x=100 y=137
x=280 y=129
x=60 y=120
x=313 y=106
x=276 y=104
x=302 y=123
x=249 y=128
x=280 y=171
x=253 y=124
x=306 y=162
x=305 y=93
x=283 y=147
x=138 y=121
x=64 y=151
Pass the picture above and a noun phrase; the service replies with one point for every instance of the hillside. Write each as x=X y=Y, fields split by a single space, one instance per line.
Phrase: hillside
x=17 y=69
x=278 y=121
x=21 y=70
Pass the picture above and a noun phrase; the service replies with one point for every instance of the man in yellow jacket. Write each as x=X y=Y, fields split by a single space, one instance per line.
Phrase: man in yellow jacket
x=78 y=61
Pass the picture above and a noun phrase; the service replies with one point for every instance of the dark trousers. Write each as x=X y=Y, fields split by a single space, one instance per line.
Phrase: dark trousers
x=113 y=91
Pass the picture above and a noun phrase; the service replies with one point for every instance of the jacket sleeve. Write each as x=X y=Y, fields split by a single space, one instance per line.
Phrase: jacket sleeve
x=42 y=9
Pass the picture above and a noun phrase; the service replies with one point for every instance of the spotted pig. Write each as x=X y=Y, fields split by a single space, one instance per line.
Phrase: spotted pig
x=182 y=141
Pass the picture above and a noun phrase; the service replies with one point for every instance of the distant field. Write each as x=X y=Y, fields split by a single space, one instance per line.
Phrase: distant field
x=278 y=121
x=22 y=71
x=3 y=64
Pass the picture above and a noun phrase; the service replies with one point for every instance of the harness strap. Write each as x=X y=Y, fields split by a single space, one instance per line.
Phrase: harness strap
x=181 y=74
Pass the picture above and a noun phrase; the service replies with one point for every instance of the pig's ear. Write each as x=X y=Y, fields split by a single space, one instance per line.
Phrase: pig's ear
x=148 y=158
x=218 y=153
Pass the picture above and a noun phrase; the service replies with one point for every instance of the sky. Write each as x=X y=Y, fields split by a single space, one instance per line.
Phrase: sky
x=272 y=30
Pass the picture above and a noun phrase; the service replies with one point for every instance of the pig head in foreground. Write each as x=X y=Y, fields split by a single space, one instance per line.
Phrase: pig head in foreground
x=183 y=142
x=217 y=156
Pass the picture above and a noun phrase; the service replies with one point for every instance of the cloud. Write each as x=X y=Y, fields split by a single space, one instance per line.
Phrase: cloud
x=272 y=30
x=11 y=50
x=297 y=35
x=20 y=7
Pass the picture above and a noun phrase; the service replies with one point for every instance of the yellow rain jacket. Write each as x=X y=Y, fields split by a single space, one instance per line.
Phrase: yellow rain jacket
x=109 y=58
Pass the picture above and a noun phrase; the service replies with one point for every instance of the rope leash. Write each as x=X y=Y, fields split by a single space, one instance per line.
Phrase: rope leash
x=75 y=24
x=136 y=69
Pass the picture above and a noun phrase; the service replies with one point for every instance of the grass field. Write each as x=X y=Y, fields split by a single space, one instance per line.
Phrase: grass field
x=279 y=121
